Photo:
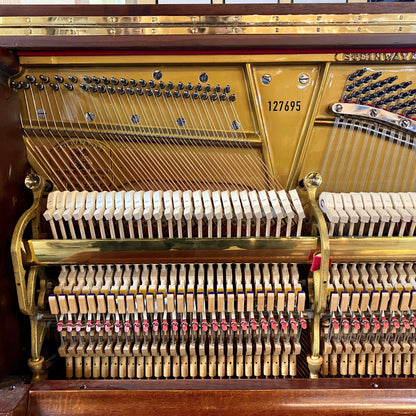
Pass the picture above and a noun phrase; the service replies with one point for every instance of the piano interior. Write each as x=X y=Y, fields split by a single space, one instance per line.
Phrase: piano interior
x=227 y=215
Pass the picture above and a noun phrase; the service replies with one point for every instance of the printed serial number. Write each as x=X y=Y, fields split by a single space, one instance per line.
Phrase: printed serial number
x=284 y=105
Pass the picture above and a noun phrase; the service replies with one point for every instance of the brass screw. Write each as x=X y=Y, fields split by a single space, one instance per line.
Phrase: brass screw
x=32 y=181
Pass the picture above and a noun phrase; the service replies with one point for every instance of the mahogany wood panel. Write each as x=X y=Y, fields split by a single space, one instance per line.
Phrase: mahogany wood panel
x=333 y=397
x=298 y=43
x=13 y=397
x=194 y=9
x=14 y=199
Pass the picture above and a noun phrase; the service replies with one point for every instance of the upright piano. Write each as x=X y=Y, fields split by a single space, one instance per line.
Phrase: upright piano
x=209 y=208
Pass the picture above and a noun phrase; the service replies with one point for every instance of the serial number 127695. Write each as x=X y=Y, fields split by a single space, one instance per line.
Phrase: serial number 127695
x=284 y=105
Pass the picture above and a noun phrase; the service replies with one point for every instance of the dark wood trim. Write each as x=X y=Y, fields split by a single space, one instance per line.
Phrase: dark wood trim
x=225 y=397
x=209 y=9
x=206 y=42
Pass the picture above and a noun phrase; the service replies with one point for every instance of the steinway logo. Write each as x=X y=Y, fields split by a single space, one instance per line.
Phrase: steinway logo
x=376 y=56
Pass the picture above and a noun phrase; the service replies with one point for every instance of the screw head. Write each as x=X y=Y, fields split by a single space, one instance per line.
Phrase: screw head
x=404 y=123
x=303 y=79
x=266 y=79
x=373 y=112
x=338 y=108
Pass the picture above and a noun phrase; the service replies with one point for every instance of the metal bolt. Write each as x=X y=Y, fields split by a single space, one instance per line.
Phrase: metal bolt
x=11 y=388
x=358 y=29
x=400 y=17
x=154 y=31
x=338 y=108
x=32 y=181
x=235 y=29
x=313 y=179
x=111 y=19
x=154 y=20
x=399 y=28
x=112 y=32
x=303 y=79
x=41 y=113
x=276 y=18
x=318 y=29
x=194 y=30
x=373 y=112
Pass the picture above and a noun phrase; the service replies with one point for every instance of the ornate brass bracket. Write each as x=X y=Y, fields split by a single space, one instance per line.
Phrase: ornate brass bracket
x=312 y=182
x=26 y=280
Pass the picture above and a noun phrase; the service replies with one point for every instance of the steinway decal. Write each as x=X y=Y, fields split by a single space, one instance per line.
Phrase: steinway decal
x=376 y=56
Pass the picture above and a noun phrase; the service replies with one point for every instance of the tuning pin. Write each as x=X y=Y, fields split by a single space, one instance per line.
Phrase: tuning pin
x=142 y=83
x=31 y=78
x=87 y=79
x=195 y=95
x=227 y=89
x=223 y=97
x=149 y=92
x=44 y=78
x=114 y=81
x=162 y=85
x=93 y=88
x=26 y=85
x=189 y=86
x=105 y=80
x=139 y=91
x=232 y=98
x=121 y=90
x=405 y=84
x=198 y=87
x=130 y=91
x=83 y=87
x=96 y=80
x=168 y=94
x=59 y=79
x=111 y=89
x=186 y=94
x=377 y=75
x=101 y=88
x=180 y=86
x=152 y=84
x=133 y=83
x=39 y=86
x=73 y=79
x=124 y=82
x=170 y=85
x=214 y=96
x=69 y=87
x=55 y=87
x=207 y=88
x=204 y=96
